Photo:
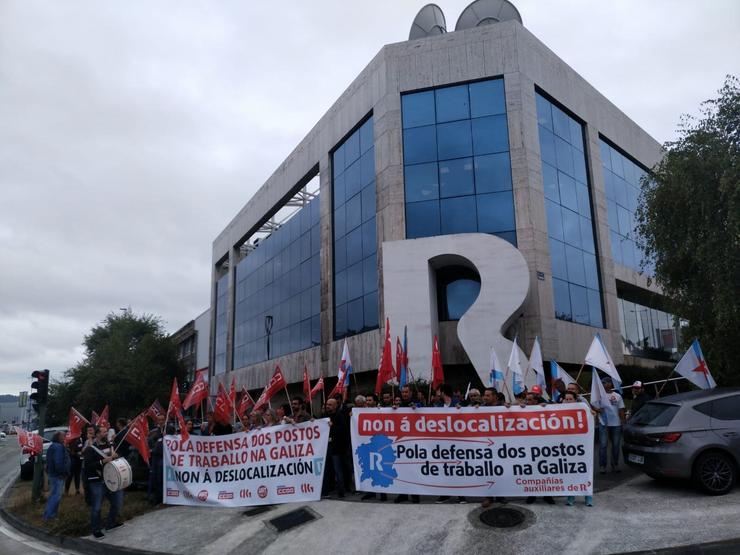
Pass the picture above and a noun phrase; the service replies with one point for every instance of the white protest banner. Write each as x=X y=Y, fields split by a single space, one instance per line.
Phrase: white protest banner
x=279 y=464
x=483 y=452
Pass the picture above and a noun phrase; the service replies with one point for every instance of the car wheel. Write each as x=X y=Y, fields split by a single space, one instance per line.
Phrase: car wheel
x=715 y=473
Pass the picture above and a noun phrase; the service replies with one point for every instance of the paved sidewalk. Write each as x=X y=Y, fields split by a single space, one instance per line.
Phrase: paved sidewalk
x=639 y=514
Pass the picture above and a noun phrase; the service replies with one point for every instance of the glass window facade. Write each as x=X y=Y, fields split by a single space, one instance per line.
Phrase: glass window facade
x=570 y=230
x=279 y=281
x=355 y=239
x=219 y=348
x=622 y=188
x=647 y=331
x=457 y=171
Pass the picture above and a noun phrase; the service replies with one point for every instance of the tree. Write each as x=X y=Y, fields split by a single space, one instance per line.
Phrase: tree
x=689 y=222
x=129 y=361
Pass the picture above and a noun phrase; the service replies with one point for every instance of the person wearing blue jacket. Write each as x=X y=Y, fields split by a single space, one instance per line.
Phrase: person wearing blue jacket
x=58 y=466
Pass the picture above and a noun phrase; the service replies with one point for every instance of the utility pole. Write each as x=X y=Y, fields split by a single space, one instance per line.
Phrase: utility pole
x=38 y=400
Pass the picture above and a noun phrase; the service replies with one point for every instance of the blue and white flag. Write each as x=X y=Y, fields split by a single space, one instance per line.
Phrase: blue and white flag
x=516 y=368
x=558 y=373
x=598 y=357
x=496 y=374
x=693 y=367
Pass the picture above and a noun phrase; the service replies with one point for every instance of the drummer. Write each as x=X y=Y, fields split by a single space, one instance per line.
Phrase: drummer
x=99 y=454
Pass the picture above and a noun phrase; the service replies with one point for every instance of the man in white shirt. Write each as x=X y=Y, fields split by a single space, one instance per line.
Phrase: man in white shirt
x=611 y=419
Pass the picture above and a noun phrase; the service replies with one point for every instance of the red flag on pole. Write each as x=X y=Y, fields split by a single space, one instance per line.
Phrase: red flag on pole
x=438 y=376
x=76 y=421
x=36 y=444
x=385 y=369
x=175 y=408
x=399 y=359
x=137 y=436
x=318 y=387
x=198 y=392
x=306 y=383
x=276 y=383
x=224 y=409
x=102 y=419
x=155 y=410
x=22 y=437
x=245 y=402
x=94 y=418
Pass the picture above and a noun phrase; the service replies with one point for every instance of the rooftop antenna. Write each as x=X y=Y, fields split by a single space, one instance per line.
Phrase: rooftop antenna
x=487 y=12
x=428 y=22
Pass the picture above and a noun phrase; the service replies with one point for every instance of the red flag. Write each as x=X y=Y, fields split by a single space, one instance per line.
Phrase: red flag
x=175 y=404
x=175 y=408
x=76 y=420
x=101 y=419
x=276 y=383
x=244 y=403
x=399 y=358
x=35 y=443
x=318 y=387
x=224 y=410
x=438 y=375
x=198 y=392
x=137 y=436
x=22 y=437
x=385 y=369
x=155 y=410
x=306 y=384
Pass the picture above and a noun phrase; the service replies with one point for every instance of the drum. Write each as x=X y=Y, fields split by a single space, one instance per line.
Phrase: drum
x=117 y=474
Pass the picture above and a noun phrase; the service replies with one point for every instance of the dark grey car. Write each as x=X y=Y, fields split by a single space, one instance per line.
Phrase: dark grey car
x=690 y=435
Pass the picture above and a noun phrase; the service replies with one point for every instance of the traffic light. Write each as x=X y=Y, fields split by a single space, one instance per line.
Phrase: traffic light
x=41 y=385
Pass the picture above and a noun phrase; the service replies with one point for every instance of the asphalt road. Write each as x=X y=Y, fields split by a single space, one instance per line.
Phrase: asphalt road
x=13 y=542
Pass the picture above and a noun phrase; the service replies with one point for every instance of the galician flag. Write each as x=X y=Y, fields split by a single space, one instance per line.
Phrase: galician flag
x=693 y=367
x=557 y=373
x=598 y=357
x=535 y=367
x=496 y=375
x=516 y=368
x=403 y=369
x=345 y=369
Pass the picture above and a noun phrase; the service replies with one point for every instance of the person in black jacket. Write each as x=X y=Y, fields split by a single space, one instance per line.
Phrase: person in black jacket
x=639 y=397
x=75 y=454
x=96 y=456
x=339 y=442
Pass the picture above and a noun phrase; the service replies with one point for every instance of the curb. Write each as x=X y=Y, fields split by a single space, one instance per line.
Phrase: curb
x=81 y=545
x=719 y=547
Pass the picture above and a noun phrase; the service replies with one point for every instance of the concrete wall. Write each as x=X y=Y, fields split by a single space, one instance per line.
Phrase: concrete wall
x=505 y=49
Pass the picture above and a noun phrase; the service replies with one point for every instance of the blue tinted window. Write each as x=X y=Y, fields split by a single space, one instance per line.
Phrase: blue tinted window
x=461 y=294
x=496 y=212
x=465 y=118
x=456 y=178
x=453 y=140
x=568 y=209
x=418 y=109
x=490 y=134
x=452 y=103
x=420 y=144
x=492 y=173
x=370 y=305
x=421 y=182
x=422 y=219
x=458 y=215
x=355 y=238
x=222 y=296
x=487 y=98
x=275 y=281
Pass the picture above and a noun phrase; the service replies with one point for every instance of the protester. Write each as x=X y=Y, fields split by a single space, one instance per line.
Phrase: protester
x=407 y=398
x=387 y=399
x=339 y=444
x=255 y=420
x=189 y=426
x=156 y=463
x=371 y=400
x=89 y=439
x=284 y=414
x=570 y=397
x=58 y=467
x=269 y=418
x=97 y=455
x=207 y=425
x=298 y=406
x=445 y=392
x=396 y=402
x=559 y=386
x=574 y=388
x=611 y=420
x=490 y=399
x=360 y=401
x=221 y=428
x=474 y=398
x=534 y=397
x=123 y=448
x=457 y=396
x=639 y=397
x=420 y=399
x=75 y=454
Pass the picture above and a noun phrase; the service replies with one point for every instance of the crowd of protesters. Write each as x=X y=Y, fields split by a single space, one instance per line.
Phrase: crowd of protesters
x=80 y=461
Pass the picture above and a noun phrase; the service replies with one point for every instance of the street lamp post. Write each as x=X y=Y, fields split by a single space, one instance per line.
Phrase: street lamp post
x=268 y=331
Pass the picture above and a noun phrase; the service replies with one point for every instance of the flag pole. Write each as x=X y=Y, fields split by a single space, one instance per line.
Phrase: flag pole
x=579 y=374
x=664 y=383
x=288 y=395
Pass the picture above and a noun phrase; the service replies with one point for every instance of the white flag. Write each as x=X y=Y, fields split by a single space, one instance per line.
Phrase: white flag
x=598 y=393
x=558 y=373
x=598 y=357
x=535 y=374
x=515 y=368
x=693 y=367
x=496 y=375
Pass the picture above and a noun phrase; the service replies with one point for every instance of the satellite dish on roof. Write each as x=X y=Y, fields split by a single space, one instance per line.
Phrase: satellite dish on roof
x=487 y=12
x=428 y=22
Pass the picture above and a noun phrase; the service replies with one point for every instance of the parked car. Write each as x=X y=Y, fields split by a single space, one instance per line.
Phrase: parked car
x=28 y=460
x=694 y=435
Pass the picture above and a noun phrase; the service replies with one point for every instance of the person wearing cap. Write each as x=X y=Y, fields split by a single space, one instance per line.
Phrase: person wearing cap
x=534 y=397
x=612 y=418
x=639 y=397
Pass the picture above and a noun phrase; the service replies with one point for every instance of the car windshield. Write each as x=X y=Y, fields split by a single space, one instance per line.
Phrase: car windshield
x=654 y=414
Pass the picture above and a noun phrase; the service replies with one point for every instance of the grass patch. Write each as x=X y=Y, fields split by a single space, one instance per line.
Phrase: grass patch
x=74 y=515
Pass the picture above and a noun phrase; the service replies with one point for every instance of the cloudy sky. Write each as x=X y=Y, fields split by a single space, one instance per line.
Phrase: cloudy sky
x=132 y=132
